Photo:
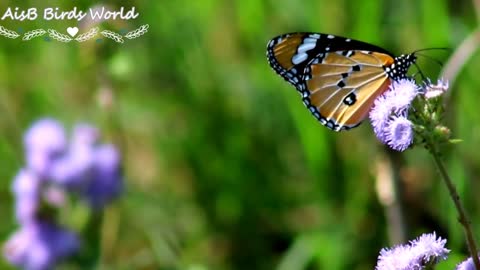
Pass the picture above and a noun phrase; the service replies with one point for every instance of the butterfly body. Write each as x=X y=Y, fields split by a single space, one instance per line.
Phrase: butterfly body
x=338 y=78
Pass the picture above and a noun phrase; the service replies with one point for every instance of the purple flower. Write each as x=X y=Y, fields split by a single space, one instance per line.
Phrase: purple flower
x=74 y=168
x=106 y=183
x=466 y=265
x=435 y=90
x=388 y=115
x=401 y=95
x=44 y=141
x=397 y=258
x=379 y=116
x=39 y=162
x=56 y=168
x=425 y=250
x=399 y=133
x=26 y=188
x=39 y=246
x=431 y=247
x=89 y=169
x=45 y=135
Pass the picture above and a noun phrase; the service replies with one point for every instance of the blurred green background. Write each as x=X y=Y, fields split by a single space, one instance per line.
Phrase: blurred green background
x=225 y=168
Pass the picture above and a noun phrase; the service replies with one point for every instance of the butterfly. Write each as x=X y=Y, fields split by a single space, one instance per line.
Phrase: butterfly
x=338 y=78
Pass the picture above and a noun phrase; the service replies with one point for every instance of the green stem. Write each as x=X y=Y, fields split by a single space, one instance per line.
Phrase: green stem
x=461 y=211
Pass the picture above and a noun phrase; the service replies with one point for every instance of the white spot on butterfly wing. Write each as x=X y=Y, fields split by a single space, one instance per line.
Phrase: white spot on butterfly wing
x=299 y=58
x=310 y=40
x=306 y=47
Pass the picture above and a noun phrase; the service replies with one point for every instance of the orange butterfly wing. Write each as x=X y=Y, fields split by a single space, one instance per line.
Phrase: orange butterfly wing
x=342 y=89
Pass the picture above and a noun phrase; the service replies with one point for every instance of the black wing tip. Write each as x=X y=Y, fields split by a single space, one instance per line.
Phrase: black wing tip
x=361 y=44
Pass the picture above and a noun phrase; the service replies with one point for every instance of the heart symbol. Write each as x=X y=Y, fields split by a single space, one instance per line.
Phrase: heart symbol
x=72 y=31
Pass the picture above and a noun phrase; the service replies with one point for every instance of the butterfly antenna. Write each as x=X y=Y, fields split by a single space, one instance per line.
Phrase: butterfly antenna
x=434 y=49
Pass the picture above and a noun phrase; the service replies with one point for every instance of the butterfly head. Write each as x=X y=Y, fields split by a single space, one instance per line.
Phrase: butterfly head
x=398 y=69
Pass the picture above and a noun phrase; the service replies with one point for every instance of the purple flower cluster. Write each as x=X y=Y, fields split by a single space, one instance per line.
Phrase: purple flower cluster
x=389 y=115
x=56 y=167
x=425 y=250
x=466 y=265
x=435 y=90
x=39 y=245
